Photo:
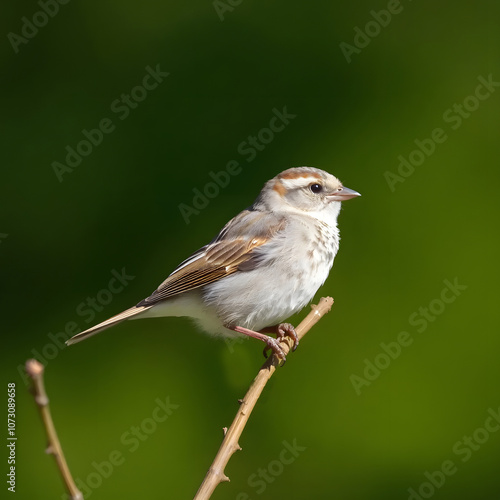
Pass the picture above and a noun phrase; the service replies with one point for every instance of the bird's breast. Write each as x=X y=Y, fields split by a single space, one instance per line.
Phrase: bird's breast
x=293 y=266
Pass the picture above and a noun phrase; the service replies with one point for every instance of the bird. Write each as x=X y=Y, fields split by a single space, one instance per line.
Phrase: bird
x=265 y=265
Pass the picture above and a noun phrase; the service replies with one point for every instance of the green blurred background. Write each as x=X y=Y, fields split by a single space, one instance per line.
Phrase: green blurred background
x=120 y=209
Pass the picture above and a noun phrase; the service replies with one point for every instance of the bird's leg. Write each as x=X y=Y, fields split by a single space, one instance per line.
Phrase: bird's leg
x=282 y=330
x=271 y=343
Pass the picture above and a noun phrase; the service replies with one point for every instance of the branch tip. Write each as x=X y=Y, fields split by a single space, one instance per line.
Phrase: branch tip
x=34 y=368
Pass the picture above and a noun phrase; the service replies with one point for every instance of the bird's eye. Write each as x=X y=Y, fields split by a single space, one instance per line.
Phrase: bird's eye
x=316 y=188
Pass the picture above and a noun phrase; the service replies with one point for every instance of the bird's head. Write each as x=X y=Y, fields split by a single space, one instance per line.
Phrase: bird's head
x=305 y=190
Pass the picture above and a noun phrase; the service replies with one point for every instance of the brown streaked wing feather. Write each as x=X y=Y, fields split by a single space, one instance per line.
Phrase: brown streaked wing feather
x=219 y=259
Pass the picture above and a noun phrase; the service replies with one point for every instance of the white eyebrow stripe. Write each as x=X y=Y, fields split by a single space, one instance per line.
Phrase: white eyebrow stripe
x=299 y=182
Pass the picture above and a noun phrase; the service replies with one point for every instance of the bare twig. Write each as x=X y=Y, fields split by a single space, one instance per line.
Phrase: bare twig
x=215 y=474
x=34 y=369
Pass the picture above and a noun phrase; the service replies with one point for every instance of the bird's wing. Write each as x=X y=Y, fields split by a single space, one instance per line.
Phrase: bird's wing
x=232 y=251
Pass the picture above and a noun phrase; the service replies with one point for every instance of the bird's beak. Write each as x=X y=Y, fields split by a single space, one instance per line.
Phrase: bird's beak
x=343 y=194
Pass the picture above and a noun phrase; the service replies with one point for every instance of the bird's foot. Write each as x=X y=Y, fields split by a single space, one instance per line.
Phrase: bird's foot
x=288 y=330
x=271 y=343
x=282 y=330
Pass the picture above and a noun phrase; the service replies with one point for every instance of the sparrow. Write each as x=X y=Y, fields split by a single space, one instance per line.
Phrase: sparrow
x=265 y=265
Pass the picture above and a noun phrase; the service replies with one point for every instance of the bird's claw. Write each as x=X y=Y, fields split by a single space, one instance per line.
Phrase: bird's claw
x=282 y=330
x=273 y=345
x=288 y=330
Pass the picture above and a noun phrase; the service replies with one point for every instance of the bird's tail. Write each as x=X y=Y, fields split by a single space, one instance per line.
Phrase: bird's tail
x=129 y=313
